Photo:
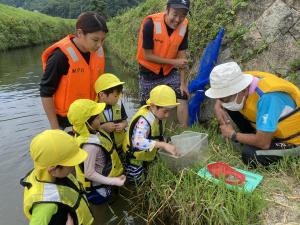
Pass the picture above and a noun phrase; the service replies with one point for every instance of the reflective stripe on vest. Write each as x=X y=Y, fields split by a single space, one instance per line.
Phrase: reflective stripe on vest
x=165 y=46
x=79 y=81
x=288 y=128
x=39 y=192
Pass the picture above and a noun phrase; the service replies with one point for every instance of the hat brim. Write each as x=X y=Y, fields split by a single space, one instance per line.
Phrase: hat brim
x=99 y=109
x=113 y=85
x=76 y=159
x=178 y=6
x=148 y=102
x=234 y=88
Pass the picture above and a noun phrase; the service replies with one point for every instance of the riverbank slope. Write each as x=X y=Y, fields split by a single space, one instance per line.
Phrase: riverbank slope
x=22 y=28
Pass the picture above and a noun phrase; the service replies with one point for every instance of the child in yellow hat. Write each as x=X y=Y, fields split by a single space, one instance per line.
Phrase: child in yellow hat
x=51 y=192
x=145 y=132
x=113 y=119
x=102 y=168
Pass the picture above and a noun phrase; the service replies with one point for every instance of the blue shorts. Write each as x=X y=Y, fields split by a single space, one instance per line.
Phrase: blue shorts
x=100 y=195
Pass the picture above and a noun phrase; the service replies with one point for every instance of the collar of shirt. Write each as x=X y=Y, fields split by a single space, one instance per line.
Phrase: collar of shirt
x=253 y=85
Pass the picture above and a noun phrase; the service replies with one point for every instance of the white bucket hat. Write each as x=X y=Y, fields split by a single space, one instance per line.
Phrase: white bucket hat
x=227 y=79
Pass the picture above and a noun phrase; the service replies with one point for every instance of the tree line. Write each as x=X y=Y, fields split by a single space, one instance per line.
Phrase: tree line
x=72 y=8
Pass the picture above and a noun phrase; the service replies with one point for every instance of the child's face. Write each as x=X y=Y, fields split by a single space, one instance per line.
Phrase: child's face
x=60 y=171
x=160 y=112
x=110 y=99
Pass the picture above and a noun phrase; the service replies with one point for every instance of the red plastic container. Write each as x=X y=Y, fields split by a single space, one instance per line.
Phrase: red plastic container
x=231 y=176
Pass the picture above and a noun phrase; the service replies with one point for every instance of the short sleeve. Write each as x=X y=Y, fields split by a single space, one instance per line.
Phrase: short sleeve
x=148 y=30
x=43 y=213
x=270 y=108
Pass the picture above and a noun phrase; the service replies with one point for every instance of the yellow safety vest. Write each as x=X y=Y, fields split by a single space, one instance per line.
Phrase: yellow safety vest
x=39 y=192
x=288 y=129
x=117 y=137
x=106 y=144
x=157 y=129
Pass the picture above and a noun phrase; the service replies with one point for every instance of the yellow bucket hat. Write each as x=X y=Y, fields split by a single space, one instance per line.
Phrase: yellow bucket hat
x=162 y=95
x=80 y=111
x=106 y=81
x=55 y=147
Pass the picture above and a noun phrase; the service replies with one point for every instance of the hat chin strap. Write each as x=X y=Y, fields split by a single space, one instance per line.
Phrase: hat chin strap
x=91 y=128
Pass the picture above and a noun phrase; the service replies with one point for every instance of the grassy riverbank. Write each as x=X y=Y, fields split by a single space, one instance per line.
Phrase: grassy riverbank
x=21 y=28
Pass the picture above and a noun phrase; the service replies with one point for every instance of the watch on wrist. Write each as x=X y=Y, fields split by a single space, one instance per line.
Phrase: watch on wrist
x=233 y=136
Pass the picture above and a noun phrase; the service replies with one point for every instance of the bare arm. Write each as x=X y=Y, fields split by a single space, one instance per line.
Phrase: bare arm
x=260 y=139
x=166 y=146
x=183 y=74
x=90 y=172
x=149 y=56
x=48 y=105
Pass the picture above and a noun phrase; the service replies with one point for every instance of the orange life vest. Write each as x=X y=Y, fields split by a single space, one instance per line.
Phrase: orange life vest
x=79 y=81
x=165 y=46
x=288 y=129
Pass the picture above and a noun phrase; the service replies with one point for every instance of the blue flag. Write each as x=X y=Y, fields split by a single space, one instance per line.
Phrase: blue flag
x=196 y=86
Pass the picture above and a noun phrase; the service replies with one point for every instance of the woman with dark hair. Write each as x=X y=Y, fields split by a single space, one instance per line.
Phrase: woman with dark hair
x=71 y=66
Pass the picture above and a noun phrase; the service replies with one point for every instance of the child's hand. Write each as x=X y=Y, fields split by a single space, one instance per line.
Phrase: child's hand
x=170 y=148
x=118 y=181
x=120 y=126
x=108 y=127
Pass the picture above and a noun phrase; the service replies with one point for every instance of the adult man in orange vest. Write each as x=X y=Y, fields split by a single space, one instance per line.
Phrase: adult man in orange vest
x=265 y=108
x=163 y=41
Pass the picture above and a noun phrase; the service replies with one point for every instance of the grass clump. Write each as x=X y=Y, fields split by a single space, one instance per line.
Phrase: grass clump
x=20 y=28
x=186 y=198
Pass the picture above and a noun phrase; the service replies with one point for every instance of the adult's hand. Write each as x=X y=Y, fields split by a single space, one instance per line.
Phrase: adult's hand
x=221 y=115
x=226 y=130
x=181 y=63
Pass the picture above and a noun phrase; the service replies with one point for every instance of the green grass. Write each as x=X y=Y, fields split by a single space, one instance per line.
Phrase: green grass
x=185 y=198
x=20 y=28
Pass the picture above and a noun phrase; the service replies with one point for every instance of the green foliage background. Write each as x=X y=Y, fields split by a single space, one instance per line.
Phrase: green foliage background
x=72 y=8
x=21 y=28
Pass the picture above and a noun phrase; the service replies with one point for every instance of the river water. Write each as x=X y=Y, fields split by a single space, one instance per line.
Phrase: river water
x=22 y=117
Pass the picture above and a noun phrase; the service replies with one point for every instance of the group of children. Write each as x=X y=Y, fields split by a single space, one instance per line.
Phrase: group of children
x=105 y=152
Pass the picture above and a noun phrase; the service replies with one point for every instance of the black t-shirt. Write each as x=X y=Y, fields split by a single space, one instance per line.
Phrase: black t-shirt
x=148 y=43
x=57 y=65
